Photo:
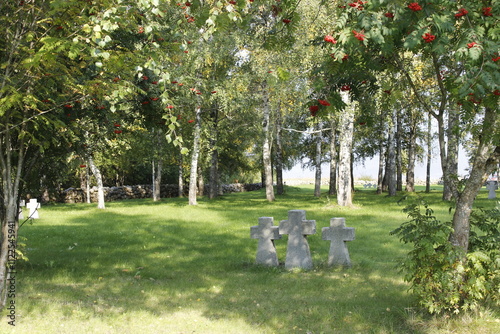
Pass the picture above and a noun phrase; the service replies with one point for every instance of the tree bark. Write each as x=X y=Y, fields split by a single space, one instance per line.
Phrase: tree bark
x=194 y=159
x=9 y=212
x=346 y=129
x=485 y=160
x=157 y=165
x=391 y=158
x=280 y=190
x=412 y=145
x=266 y=147
x=100 y=188
x=317 y=162
x=214 y=173
x=201 y=180
x=180 y=179
x=157 y=170
x=452 y=133
x=399 y=152
x=332 y=190
x=87 y=183
x=214 y=156
x=429 y=155
x=381 y=165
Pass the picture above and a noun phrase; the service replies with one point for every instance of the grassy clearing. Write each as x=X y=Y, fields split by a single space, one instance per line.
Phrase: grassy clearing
x=145 y=267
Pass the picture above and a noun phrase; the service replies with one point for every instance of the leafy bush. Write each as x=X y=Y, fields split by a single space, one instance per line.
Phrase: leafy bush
x=439 y=276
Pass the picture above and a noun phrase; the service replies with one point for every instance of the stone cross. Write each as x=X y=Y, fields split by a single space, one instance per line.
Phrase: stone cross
x=491 y=186
x=33 y=205
x=338 y=234
x=21 y=204
x=297 y=227
x=266 y=233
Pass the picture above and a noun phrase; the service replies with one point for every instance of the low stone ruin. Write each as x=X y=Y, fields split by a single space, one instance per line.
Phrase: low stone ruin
x=78 y=195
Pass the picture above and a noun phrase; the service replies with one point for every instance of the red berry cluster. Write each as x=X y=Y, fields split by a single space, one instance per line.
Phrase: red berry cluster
x=414 y=6
x=461 y=12
x=330 y=39
x=487 y=11
x=358 y=35
x=358 y=4
x=428 y=38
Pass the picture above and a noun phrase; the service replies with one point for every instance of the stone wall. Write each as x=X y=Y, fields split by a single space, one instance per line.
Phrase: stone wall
x=77 y=195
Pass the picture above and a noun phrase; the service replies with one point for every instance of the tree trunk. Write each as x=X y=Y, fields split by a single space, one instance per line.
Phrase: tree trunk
x=381 y=164
x=87 y=182
x=201 y=180
x=266 y=147
x=180 y=180
x=399 y=152
x=412 y=145
x=332 y=190
x=214 y=156
x=429 y=155
x=346 y=129
x=279 y=155
x=391 y=158
x=157 y=165
x=317 y=162
x=452 y=133
x=194 y=159
x=100 y=188
x=485 y=160
x=214 y=173
x=157 y=170
x=9 y=212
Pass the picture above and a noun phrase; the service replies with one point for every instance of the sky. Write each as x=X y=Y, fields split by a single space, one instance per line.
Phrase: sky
x=370 y=168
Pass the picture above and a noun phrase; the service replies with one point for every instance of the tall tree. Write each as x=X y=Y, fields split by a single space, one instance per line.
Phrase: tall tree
x=391 y=168
x=332 y=190
x=346 y=128
x=266 y=146
x=193 y=179
x=317 y=161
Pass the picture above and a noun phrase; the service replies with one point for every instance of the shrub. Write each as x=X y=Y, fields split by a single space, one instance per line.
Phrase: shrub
x=443 y=280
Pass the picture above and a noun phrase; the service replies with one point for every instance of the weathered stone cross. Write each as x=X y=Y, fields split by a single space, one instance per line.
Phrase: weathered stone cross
x=338 y=234
x=491 y=186
x=33 y=205
x=21 y=204
x=297 y=227
x=266 y=233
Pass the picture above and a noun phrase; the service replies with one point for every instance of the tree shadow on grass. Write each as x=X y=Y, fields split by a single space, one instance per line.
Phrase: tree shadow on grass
x=104 y=263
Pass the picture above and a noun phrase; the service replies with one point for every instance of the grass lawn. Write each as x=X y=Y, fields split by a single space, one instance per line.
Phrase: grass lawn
x=166 y=267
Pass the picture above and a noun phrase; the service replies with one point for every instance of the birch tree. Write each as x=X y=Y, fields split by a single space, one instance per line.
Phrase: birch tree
x=346 y=130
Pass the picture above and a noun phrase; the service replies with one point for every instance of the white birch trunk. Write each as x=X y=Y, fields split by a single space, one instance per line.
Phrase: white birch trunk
x=193 y=177
x=181 y=176
x=279 y=154
x=333 y=158
x=346 y=129
x=157 y=170
x=100 y=188
x=429 y=155
x=317 y=162
x=266 y=147
x=391 y=158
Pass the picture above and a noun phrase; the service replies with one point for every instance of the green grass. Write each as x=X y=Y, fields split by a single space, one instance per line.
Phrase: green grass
x=146 y=267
